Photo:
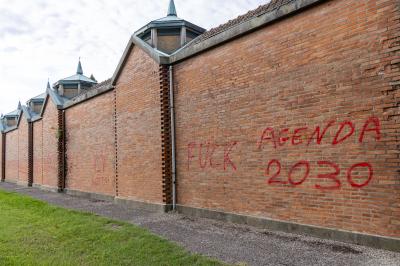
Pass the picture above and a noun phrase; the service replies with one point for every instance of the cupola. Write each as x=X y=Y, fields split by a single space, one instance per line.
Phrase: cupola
x=74 y=85
x=35 y=104
x=170 y=33
x=11 y=118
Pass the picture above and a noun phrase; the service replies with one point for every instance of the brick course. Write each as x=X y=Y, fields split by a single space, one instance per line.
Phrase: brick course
x=329 y=63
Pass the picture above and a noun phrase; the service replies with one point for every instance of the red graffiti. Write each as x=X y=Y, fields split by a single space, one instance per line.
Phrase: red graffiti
x=272 y=180
x=350 y=177
x=320 y=135
x=305 y=165
x=297 y=137
x=208 y=155
x=331 y=176
x=210 y=150
x=376 y=129
x=227 y=160
x=306 y=173
x=99 y=165
x=338 y=139
x=190 y=155
x=268 y=134
x=303 y=135
x=282 y=139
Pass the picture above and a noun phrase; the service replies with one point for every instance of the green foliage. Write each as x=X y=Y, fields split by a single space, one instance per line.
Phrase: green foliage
x=59 y=133
x=35 y=233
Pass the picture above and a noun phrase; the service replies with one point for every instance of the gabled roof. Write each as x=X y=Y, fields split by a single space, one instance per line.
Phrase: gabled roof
x=22 y=109
x=55 y=97
x=158 y=56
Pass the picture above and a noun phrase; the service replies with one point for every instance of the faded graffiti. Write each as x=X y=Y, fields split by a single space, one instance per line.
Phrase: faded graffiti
x=99 y=165
x=210 y=155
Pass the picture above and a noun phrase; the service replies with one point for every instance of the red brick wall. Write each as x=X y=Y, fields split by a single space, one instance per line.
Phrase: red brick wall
x=334 y=62
x=12 y=156
x=38 y=152
x=23 y=150
x=138 y=129
x=1 y=155
x=90 y=145
x=50 y=155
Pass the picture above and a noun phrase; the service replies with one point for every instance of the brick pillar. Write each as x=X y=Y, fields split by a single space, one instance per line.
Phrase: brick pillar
x=165 y=135
x=30 y=154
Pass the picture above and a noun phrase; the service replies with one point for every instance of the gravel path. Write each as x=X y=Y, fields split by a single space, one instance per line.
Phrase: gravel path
x=225 y=241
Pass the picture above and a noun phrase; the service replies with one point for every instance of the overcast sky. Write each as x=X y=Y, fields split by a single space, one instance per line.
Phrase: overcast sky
x=42 y=39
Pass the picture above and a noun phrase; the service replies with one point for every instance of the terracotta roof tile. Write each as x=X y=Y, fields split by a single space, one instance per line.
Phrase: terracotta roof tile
x=272 y=5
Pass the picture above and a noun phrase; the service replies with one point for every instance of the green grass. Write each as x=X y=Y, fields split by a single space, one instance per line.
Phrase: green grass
x=33 y=232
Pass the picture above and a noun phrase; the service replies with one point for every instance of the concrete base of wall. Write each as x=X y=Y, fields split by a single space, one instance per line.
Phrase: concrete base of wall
x=143 y=205
x=154 y=207
x=45 y=188
x=88 y=195
x=16 y=182
x=388 y=243
x=10 y=181
x=22 y=183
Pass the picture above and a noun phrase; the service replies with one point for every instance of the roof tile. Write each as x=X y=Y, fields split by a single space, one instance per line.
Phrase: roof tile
x=272 y=5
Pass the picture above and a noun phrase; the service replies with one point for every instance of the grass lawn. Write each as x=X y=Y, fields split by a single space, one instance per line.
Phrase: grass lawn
x=33 y=232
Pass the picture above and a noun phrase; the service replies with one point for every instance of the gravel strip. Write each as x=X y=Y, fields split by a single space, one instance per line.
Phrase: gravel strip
x=228 y=242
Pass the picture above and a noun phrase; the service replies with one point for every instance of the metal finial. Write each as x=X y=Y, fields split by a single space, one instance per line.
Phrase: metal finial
x=172 y=9
x=79 y=70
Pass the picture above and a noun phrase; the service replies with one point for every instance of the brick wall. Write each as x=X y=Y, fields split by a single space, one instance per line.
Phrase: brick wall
x=50 y=135
x=297 y=121
x=23 y=150
x=12 y=156
x=1 y=156
x=138 y=129
x=38 y=152
x=90 y=145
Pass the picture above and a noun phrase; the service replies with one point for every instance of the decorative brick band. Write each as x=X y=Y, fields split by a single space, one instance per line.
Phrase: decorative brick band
x=60 y=150
x=116 y=142
x=165 y=135
x=30 y=154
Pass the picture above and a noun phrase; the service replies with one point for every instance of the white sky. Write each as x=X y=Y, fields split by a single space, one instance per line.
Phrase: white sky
x=42 y=39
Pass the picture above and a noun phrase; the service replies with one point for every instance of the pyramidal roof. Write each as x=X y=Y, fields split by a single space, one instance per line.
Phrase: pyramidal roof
x=171 y=20
x=77 y=78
